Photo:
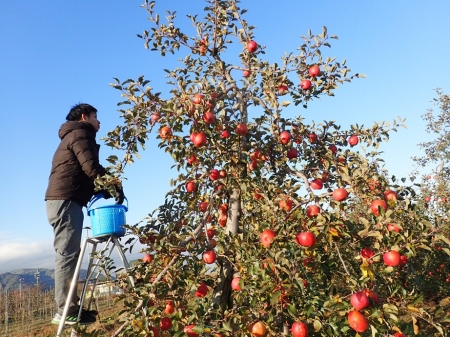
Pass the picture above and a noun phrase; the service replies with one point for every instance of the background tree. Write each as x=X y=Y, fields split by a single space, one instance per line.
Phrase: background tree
x=432 y=271
x=272 y=226
x=435 y=184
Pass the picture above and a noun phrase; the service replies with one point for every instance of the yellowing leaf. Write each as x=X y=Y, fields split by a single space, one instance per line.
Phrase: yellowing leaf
x=317 y=325
x=415 y=326
x=138 y=323
x=412 y=308
x=366 y=271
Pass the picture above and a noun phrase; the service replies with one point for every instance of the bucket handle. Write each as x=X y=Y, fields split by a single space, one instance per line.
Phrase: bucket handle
x=98 y=196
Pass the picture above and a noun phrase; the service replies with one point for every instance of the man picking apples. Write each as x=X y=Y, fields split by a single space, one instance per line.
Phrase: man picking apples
x=75 y=165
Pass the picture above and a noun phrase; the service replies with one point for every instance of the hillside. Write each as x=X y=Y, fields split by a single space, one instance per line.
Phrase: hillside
x=46 y=278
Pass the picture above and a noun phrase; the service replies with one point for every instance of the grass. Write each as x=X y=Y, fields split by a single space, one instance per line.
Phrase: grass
x=107 y=323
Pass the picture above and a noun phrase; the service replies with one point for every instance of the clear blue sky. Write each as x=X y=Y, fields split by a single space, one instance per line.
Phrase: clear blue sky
x=58 y=53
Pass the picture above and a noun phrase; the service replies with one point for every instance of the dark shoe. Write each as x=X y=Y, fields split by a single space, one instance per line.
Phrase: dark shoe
x=86 y=319
x=72 y=319
x=89 y=312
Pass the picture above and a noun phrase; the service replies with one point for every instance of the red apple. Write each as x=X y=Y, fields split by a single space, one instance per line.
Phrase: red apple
x=192 y=136
x=209 y=256
x=267 y=237
x=332 y=148
x=391 y=258
x=373 y=184
x=316 y=184
x=359 y=300
x=235 y=284
x=211 y=232
x=203 y=206
x=192 y=160
x=165 y=323
x=246 y=72
x=241 y=129
x=305 y=84
x=399 y=334
x=258 y=329
x=210 y=104
x=223 y=174
x=202 y=290
x=299 y=329
x=341 y=159
x=313 y=138
x=312 y=210
x=155 y=331
x=189 y=330
x=147 y=258
x=390 y=195
x=224 y=134
x=285 y=137
x=392 y=227
x=165 y=132
x=257 y=194
x=252 y=46
x=209 y=117
x=353 y=140
x=202 y=50
x=214 y=174
x=403 y=259
x=170 y=308
x=372 y=295
x=255 y=155
x=357 y=321
x=282 y=90
x=314 y=71
x=253 y=165
x=199 y=139
x=285 y=204
x=378 y=203
x=367 y=253
x=306 y=239
x=292 y=153
x=198 y=99
x=340 y=194
x=155 y=117
x=191 y=187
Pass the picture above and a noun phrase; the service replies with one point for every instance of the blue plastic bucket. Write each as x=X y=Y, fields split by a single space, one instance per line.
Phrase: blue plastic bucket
x=107 y=220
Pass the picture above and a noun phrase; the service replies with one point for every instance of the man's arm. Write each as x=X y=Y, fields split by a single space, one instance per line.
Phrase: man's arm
x=85 y=149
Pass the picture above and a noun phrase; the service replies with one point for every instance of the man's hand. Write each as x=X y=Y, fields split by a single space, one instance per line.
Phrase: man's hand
x=119 y=195
x=104 y=193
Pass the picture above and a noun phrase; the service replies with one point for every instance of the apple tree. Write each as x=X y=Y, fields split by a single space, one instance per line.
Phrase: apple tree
x=431 y=268
x=272 y=226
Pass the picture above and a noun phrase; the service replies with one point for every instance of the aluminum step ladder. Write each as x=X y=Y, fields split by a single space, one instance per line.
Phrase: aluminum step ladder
x=94 y=262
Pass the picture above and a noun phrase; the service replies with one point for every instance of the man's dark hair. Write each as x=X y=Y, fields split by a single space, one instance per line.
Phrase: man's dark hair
x=78 y=110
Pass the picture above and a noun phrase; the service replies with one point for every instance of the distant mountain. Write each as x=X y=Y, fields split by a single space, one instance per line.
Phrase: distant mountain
x=30 y=278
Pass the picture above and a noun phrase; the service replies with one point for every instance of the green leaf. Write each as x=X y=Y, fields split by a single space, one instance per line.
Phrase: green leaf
x=275 y=297
x=317 y=325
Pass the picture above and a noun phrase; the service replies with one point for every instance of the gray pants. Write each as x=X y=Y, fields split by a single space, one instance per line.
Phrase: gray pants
x=66 y=218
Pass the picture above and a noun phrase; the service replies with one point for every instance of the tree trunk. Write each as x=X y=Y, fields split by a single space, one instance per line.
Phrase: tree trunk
x=222 y=293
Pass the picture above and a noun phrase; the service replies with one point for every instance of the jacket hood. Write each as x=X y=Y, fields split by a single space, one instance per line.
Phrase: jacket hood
x=70 y=126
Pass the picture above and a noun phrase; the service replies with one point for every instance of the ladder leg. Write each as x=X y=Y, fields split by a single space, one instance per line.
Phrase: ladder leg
x=73 y=287
x=123 y=257
x=90 y=270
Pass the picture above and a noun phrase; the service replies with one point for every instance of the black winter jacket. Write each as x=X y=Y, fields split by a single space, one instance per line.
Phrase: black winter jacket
x=75 y=164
